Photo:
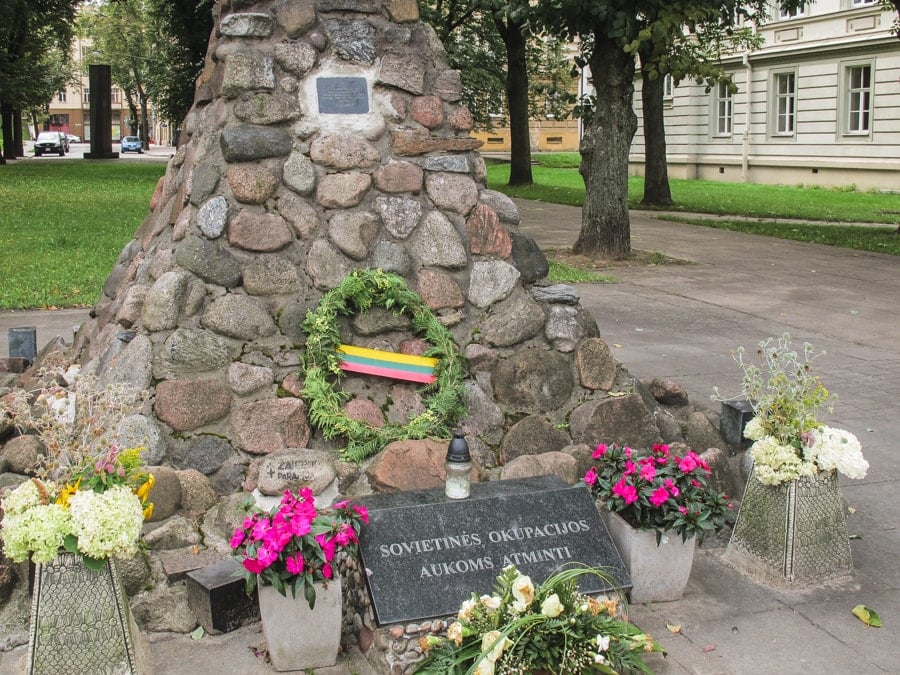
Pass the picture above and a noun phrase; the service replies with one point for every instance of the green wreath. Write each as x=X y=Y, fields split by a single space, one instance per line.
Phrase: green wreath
x=358 y=292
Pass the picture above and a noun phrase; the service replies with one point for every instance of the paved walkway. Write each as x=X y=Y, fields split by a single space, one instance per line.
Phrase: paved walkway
x=681 y=322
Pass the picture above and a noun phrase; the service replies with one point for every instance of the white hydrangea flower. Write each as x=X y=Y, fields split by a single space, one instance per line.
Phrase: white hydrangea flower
x=41 y=529
x=837 y=449
x=21 y=499
x=491 y=602
x=754 y=429
x=775 y=463
x=107 y=524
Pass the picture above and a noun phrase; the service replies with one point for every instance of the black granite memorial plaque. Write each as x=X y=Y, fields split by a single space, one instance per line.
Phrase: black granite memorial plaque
x=343 y=95
x=424 y=554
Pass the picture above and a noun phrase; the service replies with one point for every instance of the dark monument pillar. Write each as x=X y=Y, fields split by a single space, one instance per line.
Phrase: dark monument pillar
x=101 y=113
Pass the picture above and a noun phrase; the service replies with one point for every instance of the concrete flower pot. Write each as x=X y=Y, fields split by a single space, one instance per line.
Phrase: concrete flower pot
x=658 y=573
x=298 y=637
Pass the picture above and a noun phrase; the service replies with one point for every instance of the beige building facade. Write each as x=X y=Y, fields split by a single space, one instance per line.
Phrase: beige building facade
x=70 y=109
x=817 y=104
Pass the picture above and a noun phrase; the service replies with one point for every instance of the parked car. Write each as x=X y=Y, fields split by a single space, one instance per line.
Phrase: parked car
x=51 y=142
x=72 y=138
x=132 y=144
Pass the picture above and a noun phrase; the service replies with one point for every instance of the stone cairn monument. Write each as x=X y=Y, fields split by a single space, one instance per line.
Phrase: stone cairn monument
x=328 y=136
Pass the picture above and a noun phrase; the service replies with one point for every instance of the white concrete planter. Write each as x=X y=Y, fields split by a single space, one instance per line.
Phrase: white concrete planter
x=658 y=573
x=298 y=637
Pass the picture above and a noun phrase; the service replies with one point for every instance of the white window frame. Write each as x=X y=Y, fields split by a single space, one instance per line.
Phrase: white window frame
x=857 y=96
x=784 y=104
x=61 y=96
x=723 y=111
x=668 y=87
x=784 y=14
x=862 y=3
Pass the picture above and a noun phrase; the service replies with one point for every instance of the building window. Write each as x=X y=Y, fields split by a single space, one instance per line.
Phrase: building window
x=858 y=83
x=114 y=95
x=723 y=110
x=87 y=95
x=784 y=13
x=785 y=102
x=61 y=96
x=668 y=87
x=861 y=3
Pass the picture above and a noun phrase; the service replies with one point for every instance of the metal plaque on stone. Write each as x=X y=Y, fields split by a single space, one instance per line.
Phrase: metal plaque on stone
x=424 y=553
x=343 y=95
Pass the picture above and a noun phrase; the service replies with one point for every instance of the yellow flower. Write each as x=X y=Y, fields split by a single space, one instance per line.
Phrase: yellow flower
x=148 y=511
x=144 y=490
x=66 y=493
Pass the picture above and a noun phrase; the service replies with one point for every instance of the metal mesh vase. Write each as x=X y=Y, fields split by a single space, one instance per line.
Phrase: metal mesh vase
x=794 y=532
x=80 y=621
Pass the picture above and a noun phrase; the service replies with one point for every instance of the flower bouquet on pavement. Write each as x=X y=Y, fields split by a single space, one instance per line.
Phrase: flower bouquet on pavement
x=294 y=545
x=523 y=628
x=789 y=440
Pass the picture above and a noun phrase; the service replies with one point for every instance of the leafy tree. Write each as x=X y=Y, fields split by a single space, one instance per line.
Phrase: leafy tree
x=122 y=37
x=682 y=49
x=33 y=36
x=612 y=32
x=474 y=48
x=181 y=37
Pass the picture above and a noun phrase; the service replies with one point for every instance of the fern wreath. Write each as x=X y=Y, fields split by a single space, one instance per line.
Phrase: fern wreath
x=358 y=292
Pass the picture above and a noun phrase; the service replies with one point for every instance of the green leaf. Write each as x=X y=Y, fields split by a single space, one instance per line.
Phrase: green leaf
x=309 y=592
x=94 y=564
x=197 y=633
x=867 y=616
x=70 y=543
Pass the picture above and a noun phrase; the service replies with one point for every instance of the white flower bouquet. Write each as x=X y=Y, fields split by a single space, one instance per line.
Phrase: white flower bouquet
x=789 y=441
x=524 y=628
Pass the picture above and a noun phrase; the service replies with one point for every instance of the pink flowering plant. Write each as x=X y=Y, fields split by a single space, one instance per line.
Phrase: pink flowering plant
x=294 y=544
x=658 y=489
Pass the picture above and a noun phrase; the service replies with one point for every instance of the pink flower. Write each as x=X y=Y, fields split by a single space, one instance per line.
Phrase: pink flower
x=648 y=472
x=661 y=448
x=260 y=528
x=600 y=450
x=591 y=476
x=695 y=483
x=688 y=463
x=682 y=510
x=627 y=451
x=237 y=538
x=345 y=534
x=340 y=506
x=670 y=485
x=363 y=512
x=327 y=572
x=328 y=546
x=630 y=468
x=626 y=492
x=253 y=566
x=659 y=497
x=294 y=563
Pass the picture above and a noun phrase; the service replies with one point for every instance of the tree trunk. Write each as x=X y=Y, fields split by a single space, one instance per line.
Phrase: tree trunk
x=17 y=133
x=605 y=228
x=9 y=141
x=145 y=123
x=517 y=99
x=656 y=172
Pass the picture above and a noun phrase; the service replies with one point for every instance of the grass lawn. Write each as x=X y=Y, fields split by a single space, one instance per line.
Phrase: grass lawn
x=63 y=223
x=563 y=185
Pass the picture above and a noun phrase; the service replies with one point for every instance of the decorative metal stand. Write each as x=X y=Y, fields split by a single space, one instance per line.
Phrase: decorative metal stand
x=794 y=532
x=80 y=621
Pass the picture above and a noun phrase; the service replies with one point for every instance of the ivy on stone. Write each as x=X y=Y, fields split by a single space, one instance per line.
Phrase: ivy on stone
x=358 y=292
